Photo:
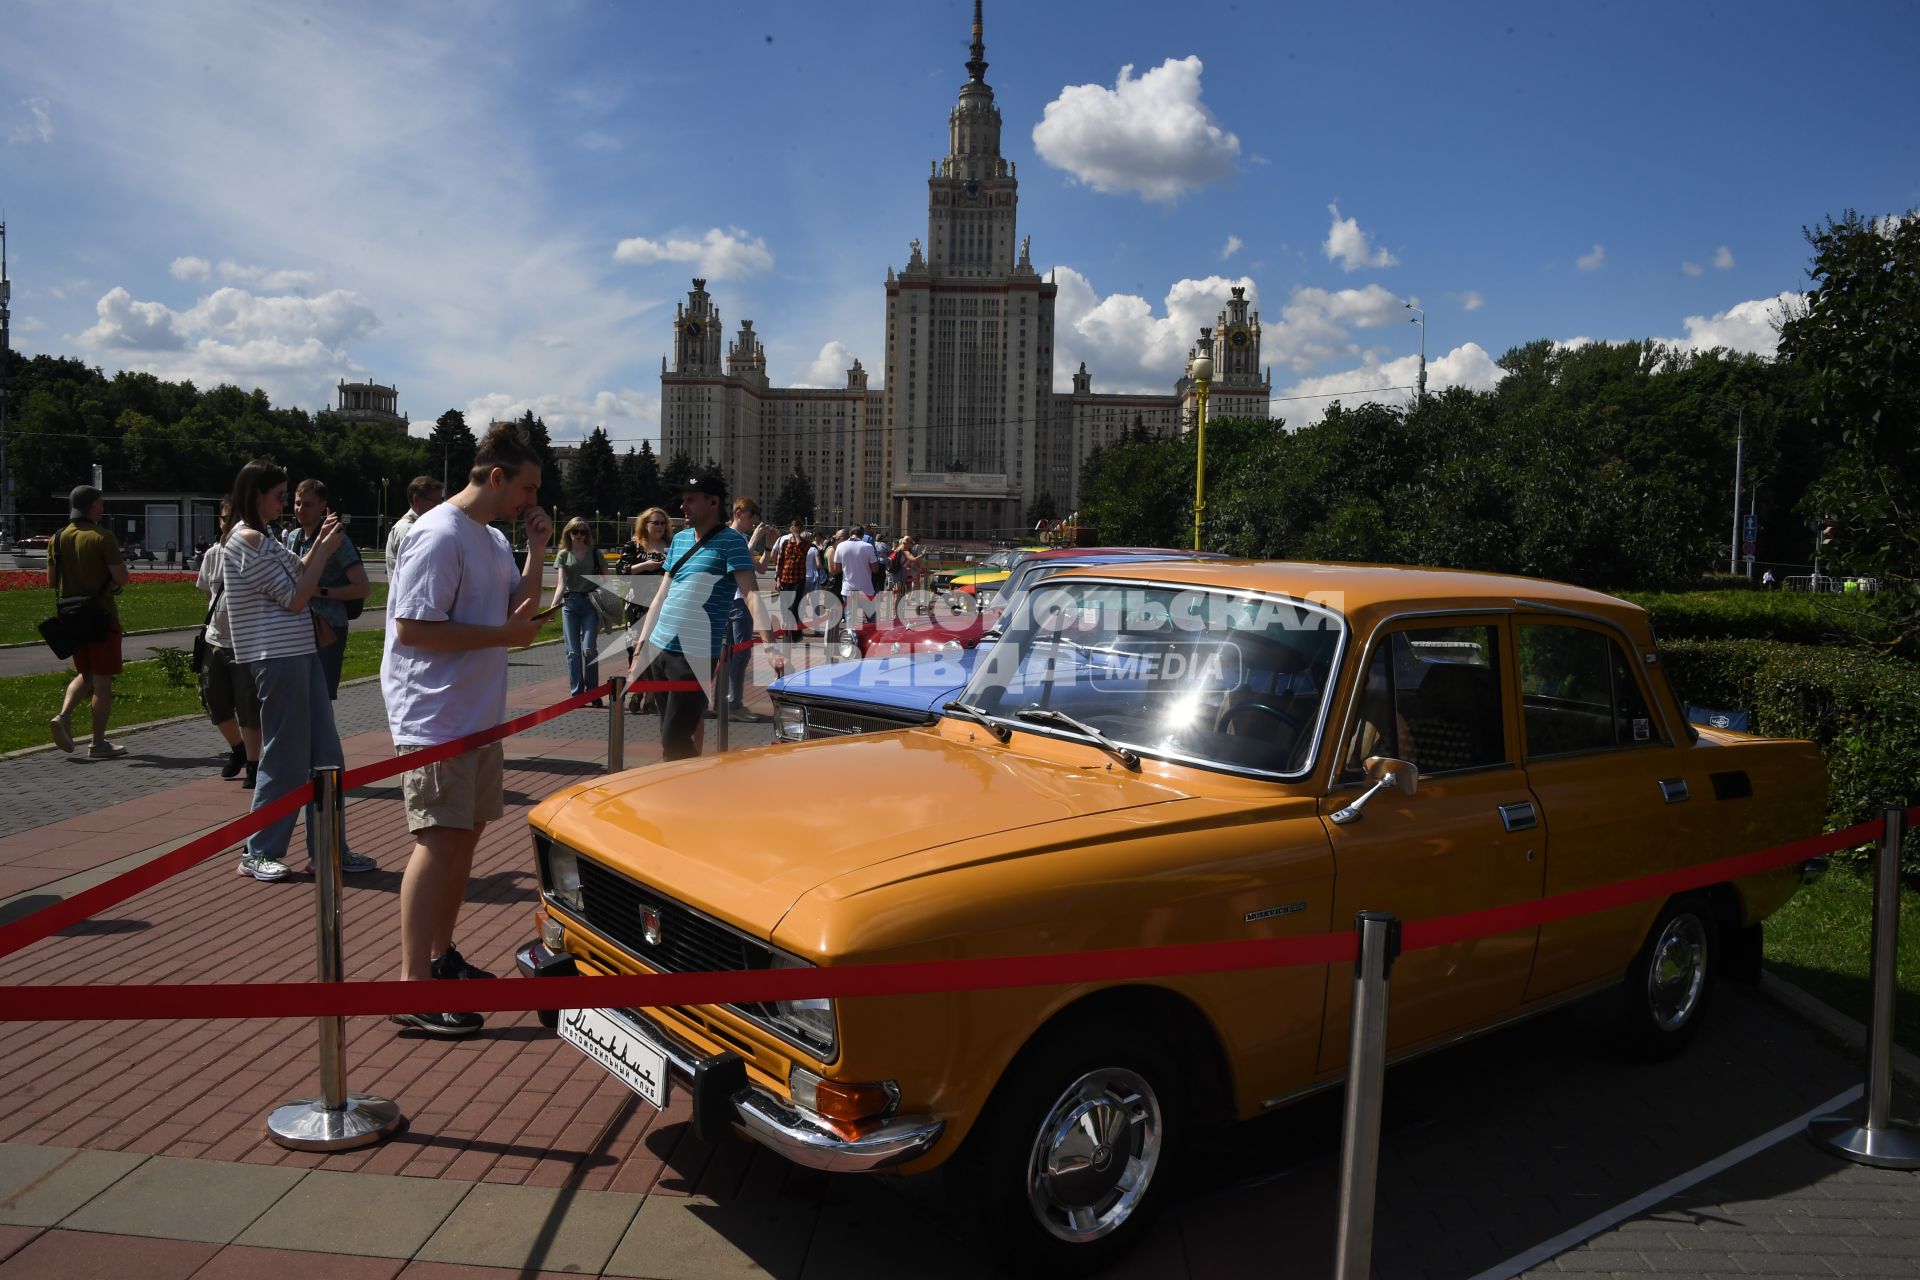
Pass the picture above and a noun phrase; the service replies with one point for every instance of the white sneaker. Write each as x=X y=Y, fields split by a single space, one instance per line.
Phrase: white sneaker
x=62 y=733
x=264 y=868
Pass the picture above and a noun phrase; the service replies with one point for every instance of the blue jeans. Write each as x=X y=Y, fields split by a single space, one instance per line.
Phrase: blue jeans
x=296 y=736
x=739 y=631
x=580 y=623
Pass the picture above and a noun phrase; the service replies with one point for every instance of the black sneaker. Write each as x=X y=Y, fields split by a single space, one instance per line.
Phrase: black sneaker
x=236 y=761
x=450 y=1026
x=454 y=965
x=253 y=775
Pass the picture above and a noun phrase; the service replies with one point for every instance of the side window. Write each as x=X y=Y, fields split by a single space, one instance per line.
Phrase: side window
x=1432 y=696
x=1579 y=692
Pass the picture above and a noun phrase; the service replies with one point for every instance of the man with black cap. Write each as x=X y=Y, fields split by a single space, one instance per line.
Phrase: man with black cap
x=84 y=560
x=684 y=634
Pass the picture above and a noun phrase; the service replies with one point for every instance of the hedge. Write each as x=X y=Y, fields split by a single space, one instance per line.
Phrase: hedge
x=1863 y=709
x=1793 y=616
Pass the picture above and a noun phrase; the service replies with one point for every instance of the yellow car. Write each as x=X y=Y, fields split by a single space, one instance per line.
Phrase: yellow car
x=987 y=575
x=1155 y=756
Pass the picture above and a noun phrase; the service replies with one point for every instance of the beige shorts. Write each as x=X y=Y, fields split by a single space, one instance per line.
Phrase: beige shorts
x=460 y=793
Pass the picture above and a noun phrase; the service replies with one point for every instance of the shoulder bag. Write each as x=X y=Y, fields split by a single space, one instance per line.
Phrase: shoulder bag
x=201 y=644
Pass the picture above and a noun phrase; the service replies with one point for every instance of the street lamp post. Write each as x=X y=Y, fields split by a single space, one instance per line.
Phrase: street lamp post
x=1419 y=317
x=1202 y=375
x=1739 y=463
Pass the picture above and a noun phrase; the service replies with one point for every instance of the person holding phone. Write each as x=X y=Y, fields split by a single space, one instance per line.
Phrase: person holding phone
x=577 y=565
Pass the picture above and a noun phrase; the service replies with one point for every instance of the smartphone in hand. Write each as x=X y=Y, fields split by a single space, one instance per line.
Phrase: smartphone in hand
x=547 y=612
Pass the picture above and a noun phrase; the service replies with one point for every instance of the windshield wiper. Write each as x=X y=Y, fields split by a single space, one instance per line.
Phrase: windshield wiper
x=1041 y=715
x=980 y=717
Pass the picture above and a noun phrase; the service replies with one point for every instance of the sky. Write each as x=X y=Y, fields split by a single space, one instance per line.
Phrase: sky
x=496 y=206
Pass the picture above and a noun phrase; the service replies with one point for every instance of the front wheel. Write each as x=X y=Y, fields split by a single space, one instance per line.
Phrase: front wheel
x=1075 y=1154
x=1671 y=979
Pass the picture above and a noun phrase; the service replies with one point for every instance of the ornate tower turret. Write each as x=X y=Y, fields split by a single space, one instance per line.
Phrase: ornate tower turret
x=696 y=329
x=972 y=194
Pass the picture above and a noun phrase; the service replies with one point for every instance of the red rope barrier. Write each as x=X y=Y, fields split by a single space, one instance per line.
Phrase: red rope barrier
x=313 y=999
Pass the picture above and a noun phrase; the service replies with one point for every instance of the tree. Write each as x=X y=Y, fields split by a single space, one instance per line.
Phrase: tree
x=550 y=477
x=639 y=479
x=1853 y=339
x=1044 y=507
x=795 y=501
x=593 y=487
x=450 y=450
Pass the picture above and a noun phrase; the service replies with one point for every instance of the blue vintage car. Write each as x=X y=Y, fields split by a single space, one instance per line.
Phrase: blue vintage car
x=873 y=695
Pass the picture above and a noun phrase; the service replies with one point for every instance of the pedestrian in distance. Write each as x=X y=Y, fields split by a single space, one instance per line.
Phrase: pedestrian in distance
x=423 y=495
x=576 y=566
x=684 y=634
x=343 y=581
x=758 y=533
x=267 y=589
x=84 y=560
x=855 y=558
x=644 y=556
x=790 y=573
x=226 y=686
x=455 y=605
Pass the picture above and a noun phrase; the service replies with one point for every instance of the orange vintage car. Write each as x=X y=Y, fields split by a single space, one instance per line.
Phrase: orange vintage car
x=1154 y=754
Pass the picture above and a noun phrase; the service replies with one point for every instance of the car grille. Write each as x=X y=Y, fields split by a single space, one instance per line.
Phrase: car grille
x=689 y=942
x=831 y=722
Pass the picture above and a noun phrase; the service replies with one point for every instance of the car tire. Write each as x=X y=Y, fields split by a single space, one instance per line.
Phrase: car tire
x=1671 y=980
x=549 y=1018
x=1075 y=1152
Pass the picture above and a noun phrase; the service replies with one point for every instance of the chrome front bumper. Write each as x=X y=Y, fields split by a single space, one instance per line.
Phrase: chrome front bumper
x=724 y=1098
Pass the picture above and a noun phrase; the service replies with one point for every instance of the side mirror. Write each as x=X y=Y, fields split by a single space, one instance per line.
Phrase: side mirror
x=1382 y=772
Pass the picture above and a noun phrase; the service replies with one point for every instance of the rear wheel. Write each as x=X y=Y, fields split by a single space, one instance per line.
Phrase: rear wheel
x=1074 y=1155
x=1671 y=979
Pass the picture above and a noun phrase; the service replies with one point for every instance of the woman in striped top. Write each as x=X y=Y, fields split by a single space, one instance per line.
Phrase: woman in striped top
x=270 y=630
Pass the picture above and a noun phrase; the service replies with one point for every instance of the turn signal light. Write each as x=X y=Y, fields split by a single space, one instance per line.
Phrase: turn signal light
x=842 y=1105
x=552 y=933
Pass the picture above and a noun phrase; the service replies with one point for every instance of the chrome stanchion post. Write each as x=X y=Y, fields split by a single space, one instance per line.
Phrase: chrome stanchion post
x=1366 y=1071
x=336 y=1120
x=1875 y=1137
x=617 y=727
x=722 y=685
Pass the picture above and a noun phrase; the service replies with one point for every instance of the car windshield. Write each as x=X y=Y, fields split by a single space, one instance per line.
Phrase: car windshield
x=1208 y=677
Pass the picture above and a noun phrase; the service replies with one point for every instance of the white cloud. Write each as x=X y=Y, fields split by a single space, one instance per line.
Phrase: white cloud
x=1151 y=136
x=1723 y=258
x=1745 y=327
x=1234 y=245
x=1592 y=261
x=266 y=277
x=1471 y=300
x=628 y=415
x=1126 y=346
x=1691 y=268
x=37 y=129
x=31 y=324
x=1347 y=244
x=1315 y=325
x=829 y=368
x=718 y=255
x=288 y=346
x=1306 y=401
x=190 y=269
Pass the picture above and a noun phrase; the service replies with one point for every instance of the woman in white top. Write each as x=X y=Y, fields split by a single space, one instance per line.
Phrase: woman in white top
x=267 y=589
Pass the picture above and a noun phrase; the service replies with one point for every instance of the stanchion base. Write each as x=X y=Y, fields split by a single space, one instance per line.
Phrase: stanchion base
x=306 y=1125
x=1894 y=1147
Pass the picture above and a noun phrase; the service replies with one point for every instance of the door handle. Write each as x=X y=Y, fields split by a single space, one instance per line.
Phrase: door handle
x=1673 y=790
x=1520 y=816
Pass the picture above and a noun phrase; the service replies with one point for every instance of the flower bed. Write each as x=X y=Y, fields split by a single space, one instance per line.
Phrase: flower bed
x=35 y=580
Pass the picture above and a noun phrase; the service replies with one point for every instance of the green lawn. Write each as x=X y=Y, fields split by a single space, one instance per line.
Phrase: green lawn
x=1819 y=942
x=144 y=606
x=141 y=693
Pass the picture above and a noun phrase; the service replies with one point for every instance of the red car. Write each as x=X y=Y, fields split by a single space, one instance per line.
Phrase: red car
x=933 y=632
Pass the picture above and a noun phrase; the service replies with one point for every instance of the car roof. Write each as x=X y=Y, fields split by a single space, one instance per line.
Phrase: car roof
x=1358 y=590
x=1064 y=553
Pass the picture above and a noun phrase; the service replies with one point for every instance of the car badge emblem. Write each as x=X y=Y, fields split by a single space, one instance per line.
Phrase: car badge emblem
x=650 y=925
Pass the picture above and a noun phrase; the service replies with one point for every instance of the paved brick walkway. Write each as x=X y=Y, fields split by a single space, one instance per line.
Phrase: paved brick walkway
x=137 y=1148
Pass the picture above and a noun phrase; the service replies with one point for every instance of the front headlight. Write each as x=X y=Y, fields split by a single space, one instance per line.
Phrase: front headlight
x=846 y=648
x=952 y=646
x=562 y=872
x=790 y=723
x=810 y=1022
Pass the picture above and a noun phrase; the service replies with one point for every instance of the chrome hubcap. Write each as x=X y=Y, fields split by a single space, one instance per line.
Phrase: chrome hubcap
x=1094 y=1155
x=1678 y=973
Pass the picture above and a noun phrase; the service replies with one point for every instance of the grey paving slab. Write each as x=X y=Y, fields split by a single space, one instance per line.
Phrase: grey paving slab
x=185 y=1200
x=695 y=1238
x=534 y=1228
x=359 y=1213
x=41 y=1185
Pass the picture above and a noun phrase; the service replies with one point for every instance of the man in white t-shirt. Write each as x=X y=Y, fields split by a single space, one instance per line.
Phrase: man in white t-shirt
x=423 y=495
x=455 y=605
x=854 y=559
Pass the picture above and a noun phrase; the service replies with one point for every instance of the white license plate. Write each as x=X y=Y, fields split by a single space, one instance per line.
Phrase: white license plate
x=610 y=1040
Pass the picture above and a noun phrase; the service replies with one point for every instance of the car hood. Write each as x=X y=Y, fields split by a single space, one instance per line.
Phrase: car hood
x=910 y=682
x=744 y=836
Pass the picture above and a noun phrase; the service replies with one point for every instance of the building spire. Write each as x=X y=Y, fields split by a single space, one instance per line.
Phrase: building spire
x=977 y=64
